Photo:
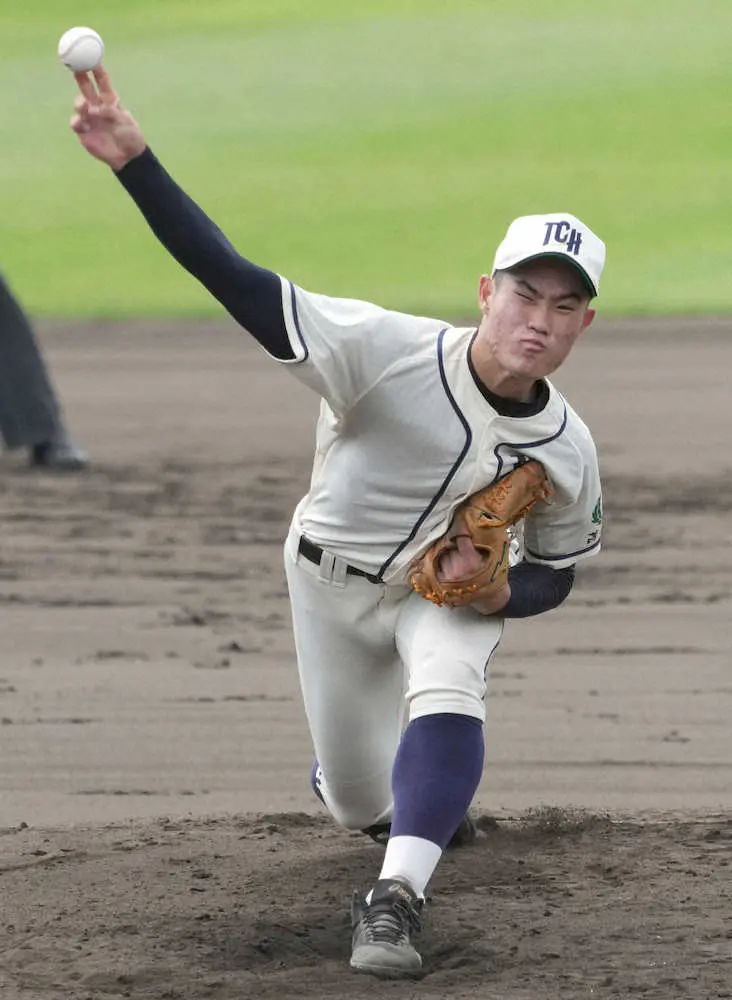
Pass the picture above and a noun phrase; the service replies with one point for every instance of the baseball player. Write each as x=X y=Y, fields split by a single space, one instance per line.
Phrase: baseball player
x=416 y=416
x=30 y=413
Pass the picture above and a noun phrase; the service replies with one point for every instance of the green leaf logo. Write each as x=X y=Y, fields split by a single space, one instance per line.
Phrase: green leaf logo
x=597 y=512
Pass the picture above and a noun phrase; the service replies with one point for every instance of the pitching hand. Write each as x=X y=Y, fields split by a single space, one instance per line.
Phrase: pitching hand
x=105 y=129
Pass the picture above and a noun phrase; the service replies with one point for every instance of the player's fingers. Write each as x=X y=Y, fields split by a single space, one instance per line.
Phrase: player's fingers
x=81 y=105
x=87 y=88
x=447 y=569
x=106 y=90
x=465 y=546
x=460 y=560
x=111 y=113
x=79 y=125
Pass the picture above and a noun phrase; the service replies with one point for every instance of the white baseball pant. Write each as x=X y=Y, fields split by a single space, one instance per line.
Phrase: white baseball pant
x=366 y=653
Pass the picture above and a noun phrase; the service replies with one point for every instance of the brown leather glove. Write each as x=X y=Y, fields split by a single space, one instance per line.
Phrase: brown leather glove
x=485 y=519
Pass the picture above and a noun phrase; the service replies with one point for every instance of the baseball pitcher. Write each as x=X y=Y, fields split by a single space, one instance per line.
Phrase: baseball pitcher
x=453 y=488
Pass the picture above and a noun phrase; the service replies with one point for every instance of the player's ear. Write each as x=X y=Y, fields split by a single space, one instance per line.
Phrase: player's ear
x=588 y=318
x=485 y=291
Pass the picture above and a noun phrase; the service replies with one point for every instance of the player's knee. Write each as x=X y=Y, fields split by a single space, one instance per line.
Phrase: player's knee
x=358 y=815
x=356 y=807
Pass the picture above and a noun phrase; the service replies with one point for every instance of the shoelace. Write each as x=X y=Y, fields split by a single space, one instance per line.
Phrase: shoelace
x=391 y=921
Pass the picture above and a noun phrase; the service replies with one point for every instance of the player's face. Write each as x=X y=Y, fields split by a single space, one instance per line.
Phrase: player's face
x=532 y=317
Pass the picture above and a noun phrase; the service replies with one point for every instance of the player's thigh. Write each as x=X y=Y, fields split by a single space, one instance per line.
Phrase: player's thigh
x=446 y=652
x=351 y=676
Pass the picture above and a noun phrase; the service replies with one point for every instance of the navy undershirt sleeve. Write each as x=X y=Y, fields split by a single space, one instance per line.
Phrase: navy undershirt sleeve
x=536 y=588
x=251 y=294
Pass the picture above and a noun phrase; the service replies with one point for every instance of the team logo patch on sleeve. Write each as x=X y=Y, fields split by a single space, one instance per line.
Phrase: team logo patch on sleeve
x=597 y=512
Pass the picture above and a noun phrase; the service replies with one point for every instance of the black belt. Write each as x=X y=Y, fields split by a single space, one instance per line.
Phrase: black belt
x=313 y=552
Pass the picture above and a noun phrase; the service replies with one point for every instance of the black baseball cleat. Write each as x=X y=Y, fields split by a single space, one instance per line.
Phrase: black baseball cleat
x=465 y=834
x=61 y=455
x=383 y=930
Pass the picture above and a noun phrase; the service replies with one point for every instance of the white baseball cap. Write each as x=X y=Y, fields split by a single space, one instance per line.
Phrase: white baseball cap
x=559 y=235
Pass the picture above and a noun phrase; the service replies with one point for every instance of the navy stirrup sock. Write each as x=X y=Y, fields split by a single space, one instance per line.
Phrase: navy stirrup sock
x=437 y=769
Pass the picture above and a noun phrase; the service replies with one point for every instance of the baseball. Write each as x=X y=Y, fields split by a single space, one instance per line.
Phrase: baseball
x=80 y=49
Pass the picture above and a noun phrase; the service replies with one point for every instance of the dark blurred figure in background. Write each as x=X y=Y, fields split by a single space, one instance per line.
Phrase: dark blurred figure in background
x=30 y=413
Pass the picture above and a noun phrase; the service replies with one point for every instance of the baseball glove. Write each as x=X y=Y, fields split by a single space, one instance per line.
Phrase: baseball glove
x=485 y=519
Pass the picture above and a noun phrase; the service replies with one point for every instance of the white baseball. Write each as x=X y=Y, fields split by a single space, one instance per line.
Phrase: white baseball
x=81 y=49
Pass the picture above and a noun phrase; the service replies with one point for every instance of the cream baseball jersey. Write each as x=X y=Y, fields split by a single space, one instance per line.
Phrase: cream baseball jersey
x=406 y=432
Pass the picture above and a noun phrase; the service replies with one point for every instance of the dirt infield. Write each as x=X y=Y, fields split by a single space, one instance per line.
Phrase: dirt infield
x=159 y=838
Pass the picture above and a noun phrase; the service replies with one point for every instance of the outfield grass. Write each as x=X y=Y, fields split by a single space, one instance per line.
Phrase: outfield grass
x=378 y=150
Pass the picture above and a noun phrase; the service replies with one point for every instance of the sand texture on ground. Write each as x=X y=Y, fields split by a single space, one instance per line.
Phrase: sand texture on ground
x=159 y=836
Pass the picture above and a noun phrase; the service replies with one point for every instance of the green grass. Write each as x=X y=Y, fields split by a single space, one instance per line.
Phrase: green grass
x=380 y=149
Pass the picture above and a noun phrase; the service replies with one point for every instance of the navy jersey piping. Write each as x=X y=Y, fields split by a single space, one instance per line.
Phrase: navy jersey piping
x=567 y=555
x=456 y=465
x=488 y=658
x=537 y=444
x=298 y=328
x=521 y=446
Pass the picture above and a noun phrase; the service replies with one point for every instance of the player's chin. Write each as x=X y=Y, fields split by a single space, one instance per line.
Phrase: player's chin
x=534 y=366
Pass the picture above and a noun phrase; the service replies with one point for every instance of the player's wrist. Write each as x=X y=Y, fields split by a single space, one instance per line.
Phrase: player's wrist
x=119 y=161
x=495 y=604
x=125 y=158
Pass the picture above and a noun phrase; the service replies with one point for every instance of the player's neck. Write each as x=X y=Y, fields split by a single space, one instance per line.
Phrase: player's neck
x=509 y=387
x=498 y=381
